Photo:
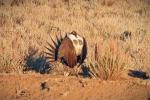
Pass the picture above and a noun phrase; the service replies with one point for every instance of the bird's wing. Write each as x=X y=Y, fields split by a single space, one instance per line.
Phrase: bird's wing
x=67 y=51
x=84 y=50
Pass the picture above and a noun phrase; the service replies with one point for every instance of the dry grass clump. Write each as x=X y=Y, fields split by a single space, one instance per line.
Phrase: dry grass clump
x=16 y=2
x=108 y=2
x=5 y=62
x=10 y=63
x=137 y=47
x=110 y=61
x=28 y=23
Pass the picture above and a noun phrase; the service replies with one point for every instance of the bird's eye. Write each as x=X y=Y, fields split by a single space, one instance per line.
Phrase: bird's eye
x=80 y=42
x=75 y=42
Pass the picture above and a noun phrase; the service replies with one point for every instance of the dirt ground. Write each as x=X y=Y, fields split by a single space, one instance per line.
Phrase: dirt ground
x=47 y=87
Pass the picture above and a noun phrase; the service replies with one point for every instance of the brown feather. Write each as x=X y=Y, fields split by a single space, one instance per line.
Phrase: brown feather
x=63 y=49
x=67 y=51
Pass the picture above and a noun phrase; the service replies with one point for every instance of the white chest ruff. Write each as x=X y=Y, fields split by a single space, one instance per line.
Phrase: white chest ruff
x=77 y=43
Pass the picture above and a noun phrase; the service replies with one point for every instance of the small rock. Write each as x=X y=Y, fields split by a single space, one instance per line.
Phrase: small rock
x=44 y=86
x=65 y=93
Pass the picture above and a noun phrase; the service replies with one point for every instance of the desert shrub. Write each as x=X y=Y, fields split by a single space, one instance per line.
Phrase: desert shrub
x=17 y=2
x=110 y=61
x=5 y=63
x=108 y=2
x=9 y=64
x=3 y=19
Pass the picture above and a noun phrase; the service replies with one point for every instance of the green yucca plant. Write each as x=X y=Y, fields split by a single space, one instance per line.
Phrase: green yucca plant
x=110 y=63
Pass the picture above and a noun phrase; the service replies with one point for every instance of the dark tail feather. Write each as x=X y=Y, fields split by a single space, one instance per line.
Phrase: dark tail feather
x=61 y=38
x=58 y=40
x=53 y=42
x=51 y=58
x=51 y=50
x=51 y=46
x=51 y=54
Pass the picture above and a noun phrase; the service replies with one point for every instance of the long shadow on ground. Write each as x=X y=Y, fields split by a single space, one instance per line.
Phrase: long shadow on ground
x=138 y=74
x=36 y=62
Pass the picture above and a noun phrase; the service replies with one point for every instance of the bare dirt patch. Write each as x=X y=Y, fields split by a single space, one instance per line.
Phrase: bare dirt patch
x=47 y=87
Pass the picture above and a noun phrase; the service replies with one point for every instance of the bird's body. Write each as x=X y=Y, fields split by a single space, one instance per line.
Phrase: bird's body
x=71 y=49
x=77 y=43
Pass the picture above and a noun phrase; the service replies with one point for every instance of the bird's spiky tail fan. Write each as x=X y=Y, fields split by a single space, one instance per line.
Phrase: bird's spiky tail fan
x=52 y=53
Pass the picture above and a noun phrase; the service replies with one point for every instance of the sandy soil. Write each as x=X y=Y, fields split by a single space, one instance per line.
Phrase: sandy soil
x=47 y=87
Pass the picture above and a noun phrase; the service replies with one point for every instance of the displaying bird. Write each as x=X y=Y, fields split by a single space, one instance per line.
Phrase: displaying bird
x=70 y=50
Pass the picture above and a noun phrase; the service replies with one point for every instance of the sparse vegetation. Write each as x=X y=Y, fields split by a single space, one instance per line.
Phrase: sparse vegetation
x=110 y=61
x=29 y=24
